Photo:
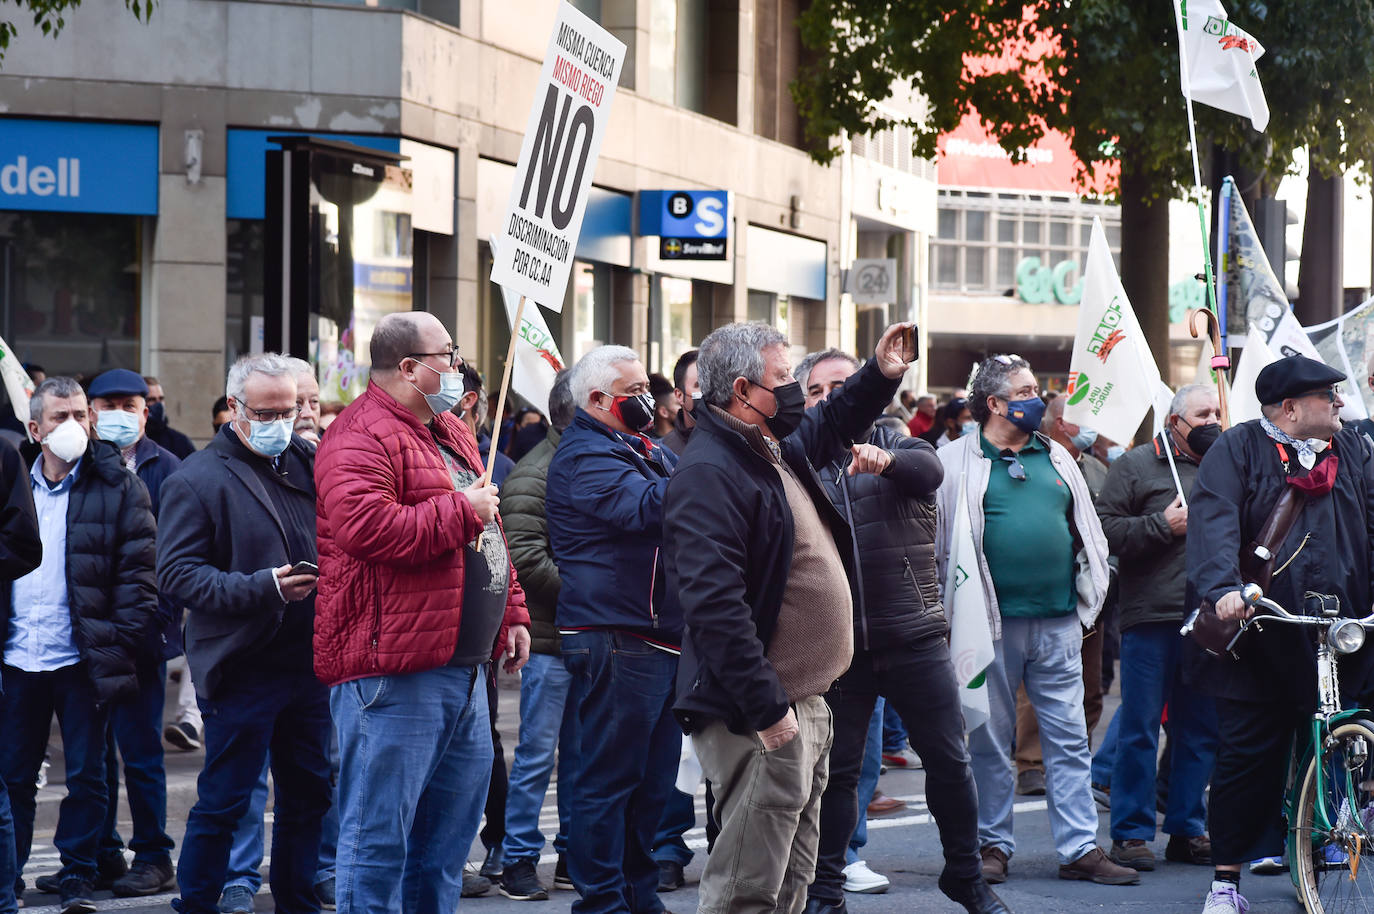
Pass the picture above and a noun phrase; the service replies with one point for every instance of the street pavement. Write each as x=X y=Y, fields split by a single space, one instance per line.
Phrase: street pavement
x=904 y=846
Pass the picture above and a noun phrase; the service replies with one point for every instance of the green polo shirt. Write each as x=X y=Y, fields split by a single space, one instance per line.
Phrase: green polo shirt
x=1027 y=537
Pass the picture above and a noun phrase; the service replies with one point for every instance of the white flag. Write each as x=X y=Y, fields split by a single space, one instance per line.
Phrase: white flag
x=18 y=384
x=537 y=360
x=970 y=637
x=1244 y=403
x=1217 y=61
x=1112 y=375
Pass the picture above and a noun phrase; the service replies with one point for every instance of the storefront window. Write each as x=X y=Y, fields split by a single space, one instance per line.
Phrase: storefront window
x=673 y=313
x=243 y=288
x=70 y=290
x=591 y=303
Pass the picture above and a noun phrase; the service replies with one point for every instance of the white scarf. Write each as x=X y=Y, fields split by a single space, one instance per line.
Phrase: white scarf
x=1307 y=449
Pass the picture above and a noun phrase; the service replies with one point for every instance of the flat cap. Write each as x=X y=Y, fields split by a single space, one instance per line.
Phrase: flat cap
x=1292 y=377
x=118 y=382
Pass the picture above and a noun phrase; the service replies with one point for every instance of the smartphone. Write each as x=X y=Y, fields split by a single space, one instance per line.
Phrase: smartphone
x=910 y=340
x=305 y=568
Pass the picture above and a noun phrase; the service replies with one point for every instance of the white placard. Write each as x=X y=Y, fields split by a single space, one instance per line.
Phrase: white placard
x=873 y=281
x=538 y=235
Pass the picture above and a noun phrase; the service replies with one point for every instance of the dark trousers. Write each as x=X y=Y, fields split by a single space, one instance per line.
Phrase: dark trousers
x=917 y=680
x=27 y=708
x=494 y=831
x=257 y=712
x=622 y=692
x=1245 y=812
x=136 y=728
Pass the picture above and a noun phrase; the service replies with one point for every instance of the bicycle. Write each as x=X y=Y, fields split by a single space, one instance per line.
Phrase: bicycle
x=1329 y=803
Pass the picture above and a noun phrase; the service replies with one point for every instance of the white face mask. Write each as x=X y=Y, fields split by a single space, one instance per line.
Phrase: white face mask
x=68 y=441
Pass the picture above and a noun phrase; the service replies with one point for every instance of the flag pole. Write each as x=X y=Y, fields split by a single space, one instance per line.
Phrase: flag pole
x=501 y=399
x=1221 y=362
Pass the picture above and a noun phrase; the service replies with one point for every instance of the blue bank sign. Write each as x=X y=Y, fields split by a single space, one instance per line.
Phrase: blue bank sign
x=690 y=224
x=78 y=167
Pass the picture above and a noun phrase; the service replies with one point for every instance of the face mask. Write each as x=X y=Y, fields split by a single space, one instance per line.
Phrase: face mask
x=116 y=426
x=636 y=412
x=693 y=402
x=68 y=441
x=270 y=438
x=1084 y=439
x=1114 y=452
x=968 y=428
x=1202 y=437
x=791 y=406
x=1026 y=414
x=450 y=391
x=157 y=414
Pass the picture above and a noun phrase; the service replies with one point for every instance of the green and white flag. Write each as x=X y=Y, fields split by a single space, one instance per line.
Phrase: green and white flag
x=970 y=636
x=1218 y=61
x=1112 y=374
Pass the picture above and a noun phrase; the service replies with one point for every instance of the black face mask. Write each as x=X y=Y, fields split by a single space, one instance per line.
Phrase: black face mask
x=1202 y=437
x=636 y=412
x=791 y=405
x=157 y=415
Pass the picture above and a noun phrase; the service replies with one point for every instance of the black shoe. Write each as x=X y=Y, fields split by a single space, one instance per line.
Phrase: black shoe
x=143 y=879
x=110 y=867
x=561 y=880
x=183 y=736
x=76 y=896
x=821 y=906
x=475 y=886
x=324 y=891
x=977 y=896
x=520 y=882
x=491 y=867
x=48 y=885
x=670 y=876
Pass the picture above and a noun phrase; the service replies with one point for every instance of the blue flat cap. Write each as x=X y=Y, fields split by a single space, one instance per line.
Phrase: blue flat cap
x=118 y=382
x=1292 y=377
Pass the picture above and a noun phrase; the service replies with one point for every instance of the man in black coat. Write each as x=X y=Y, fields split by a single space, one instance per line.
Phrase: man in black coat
x=758 y=557
x=900 y=648
x=158 y=428
x=76 y=625
x=237 y=517
x=1270 y=691
x=21 y=550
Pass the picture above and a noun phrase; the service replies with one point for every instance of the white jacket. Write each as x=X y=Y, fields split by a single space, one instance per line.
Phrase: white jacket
x=964 y=459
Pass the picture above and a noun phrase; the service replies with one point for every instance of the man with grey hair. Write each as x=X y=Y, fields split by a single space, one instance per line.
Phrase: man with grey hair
x=759 y=558
x=1042 y=560
x=238 y=549
x=620 y=628
x=308 y=399
x=1146 y=525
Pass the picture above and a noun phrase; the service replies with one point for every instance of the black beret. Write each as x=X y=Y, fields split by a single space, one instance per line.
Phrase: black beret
x=1292 y=377
x=118 y=382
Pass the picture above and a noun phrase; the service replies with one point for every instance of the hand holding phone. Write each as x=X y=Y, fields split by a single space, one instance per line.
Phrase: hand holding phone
x=910 y=341
x=305 y=568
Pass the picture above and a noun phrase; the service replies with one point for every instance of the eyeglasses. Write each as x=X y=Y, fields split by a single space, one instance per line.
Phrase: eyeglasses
x=451 y=354
x=271 y=415
x=1014 y=468
x=1329 y=393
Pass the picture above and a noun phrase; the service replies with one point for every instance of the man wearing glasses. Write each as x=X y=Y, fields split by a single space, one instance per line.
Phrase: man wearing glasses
x=417 y=599
x=236 y=519
x=1043 y=562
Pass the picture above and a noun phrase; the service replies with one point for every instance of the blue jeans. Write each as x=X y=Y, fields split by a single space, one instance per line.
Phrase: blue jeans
x=679 y=817
x=256 y=713
x=868 y=779
x=545 y=732
x=1045 y=654
x=414 y=764
x=8 y=874
x=1150 y=676
x=1104 y=759
x=136 y=728
x=895 y=737
x=630 y=747
x=27 y=708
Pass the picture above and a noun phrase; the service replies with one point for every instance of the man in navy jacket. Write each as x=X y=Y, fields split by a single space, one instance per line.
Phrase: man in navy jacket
x=620 y=630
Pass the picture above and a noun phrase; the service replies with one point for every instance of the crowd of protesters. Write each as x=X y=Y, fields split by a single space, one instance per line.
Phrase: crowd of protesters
x=751 y=554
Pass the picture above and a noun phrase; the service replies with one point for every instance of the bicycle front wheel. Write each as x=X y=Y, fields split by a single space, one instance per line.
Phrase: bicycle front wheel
x=1329 y=844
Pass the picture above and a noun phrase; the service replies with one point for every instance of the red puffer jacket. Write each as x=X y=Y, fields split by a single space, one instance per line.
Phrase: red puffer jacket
x=391 y=530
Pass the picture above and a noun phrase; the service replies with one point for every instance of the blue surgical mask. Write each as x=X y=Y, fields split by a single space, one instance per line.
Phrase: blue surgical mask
x=1026 y=414
x=116 y=426
x=450 y=391
x=1084 y=439
x=968 y=428
x=270 y=438
x=1114 y=452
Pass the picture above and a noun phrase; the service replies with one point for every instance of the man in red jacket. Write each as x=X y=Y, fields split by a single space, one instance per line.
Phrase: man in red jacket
x=410 y=614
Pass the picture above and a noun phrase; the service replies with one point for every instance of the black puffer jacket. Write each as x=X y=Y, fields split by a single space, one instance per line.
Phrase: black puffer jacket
x=895 y=586
x=527 y=537
x=111 y=554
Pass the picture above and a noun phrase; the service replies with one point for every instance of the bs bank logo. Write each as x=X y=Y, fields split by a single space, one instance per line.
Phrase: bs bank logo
x=20 y=178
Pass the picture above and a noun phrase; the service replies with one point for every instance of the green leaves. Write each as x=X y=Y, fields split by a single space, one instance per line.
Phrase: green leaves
x=48 y=16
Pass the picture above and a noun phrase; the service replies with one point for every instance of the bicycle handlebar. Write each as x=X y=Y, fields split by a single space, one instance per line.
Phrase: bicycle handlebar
x=1255 y=599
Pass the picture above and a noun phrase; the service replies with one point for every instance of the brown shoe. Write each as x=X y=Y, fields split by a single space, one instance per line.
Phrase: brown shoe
x=1095 y=867
x=1196 y=850
x=994 y=865
x=1030 y=783
x=884 y=805
x=1134 y=854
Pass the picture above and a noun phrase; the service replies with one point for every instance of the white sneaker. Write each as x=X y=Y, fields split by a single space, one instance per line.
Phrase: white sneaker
x=902 y=759
x=860 y=879
x=1225 y=899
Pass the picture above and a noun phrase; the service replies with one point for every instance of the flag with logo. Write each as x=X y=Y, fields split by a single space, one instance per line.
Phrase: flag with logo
x=970 y=636
x=18 y=384
x=1112 y=374
x=537 y=359
x=1217 y=61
